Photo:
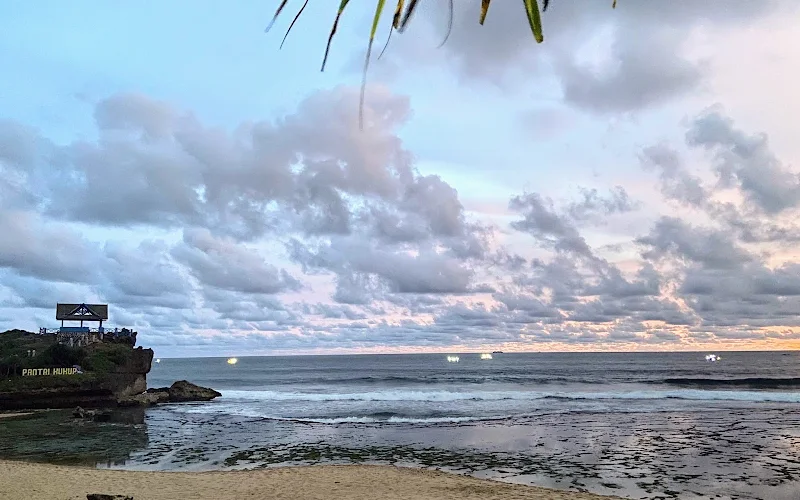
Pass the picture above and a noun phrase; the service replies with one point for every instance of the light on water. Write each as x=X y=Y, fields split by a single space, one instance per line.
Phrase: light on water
x=712 y=357
x=486 y=355
x=232 y=361
x=453 y=359
x=158 y=360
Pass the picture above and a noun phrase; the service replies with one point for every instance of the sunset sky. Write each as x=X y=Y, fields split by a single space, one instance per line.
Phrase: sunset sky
x=630 y=184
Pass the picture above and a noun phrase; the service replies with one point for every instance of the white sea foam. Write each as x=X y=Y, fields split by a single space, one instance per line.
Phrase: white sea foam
x=444 y=396
x=255 y=412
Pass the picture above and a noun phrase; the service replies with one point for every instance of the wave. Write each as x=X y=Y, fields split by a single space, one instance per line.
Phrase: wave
x=390 y=420
x=449 y=396
x=754 y=382
x=418 y=380
x=371 y=418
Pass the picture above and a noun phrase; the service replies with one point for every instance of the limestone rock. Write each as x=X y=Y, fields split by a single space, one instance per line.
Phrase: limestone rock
x=148 y=398
x=182 y=391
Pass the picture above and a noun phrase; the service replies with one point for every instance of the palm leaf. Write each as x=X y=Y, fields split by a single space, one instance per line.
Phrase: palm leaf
x=333 y=31
x=277 y=13
x=412 y=6
x=375 y=21
x=293 y=21
x=397 y=13
x=395 y=24
x=534 y=19
x=400 y=23
x=449 y=24
x=484 y=10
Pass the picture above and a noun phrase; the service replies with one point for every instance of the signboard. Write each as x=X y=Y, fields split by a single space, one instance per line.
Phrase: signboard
x=29 y=372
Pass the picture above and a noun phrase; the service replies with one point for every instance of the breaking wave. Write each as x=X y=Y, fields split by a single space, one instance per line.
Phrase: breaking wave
x=445 y=396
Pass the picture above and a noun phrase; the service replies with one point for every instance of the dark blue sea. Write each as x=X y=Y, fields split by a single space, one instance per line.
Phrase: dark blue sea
x=427 y=389
x=647 y=425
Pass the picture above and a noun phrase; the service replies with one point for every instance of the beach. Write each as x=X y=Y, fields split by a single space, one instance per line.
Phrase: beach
x=28 y=481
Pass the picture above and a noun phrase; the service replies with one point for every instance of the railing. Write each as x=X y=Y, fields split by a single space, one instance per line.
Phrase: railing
x=116 y=332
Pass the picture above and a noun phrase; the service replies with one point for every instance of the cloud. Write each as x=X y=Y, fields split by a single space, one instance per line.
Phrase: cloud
x=304 y=233
x=225 y=265
x=601 y=60
x=745 y=161
x=41 y=249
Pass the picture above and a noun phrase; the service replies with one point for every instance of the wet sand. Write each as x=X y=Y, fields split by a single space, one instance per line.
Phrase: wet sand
x=28 y=481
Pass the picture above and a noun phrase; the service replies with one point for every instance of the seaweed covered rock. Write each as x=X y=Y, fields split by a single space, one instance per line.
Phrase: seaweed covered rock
x=182 y=391
x=179 y=392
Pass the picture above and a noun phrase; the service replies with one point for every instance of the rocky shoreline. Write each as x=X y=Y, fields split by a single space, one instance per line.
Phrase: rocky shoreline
x=117 y=377
x=179 y=392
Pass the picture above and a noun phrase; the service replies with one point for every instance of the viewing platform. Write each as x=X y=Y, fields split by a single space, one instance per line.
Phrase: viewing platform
x=78 y=336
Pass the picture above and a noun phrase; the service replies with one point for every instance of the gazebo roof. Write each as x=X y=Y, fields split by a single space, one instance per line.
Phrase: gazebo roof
x=82 y=312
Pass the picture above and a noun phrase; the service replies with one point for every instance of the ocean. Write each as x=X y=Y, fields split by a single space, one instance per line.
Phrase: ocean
x=644 y=425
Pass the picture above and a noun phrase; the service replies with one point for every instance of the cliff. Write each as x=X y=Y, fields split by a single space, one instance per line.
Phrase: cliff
x=110 y=372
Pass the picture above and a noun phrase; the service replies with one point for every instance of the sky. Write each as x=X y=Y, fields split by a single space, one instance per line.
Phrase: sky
x=630 y=184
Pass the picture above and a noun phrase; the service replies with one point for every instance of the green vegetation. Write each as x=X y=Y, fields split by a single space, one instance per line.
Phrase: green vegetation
x=40 y=383
x=16 y=347
x=104 y=358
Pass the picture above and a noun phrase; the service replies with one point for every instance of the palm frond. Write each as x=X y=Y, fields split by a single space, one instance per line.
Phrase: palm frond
x=451 y=10
x=484 y=11
x=402 y=15
x=277 y=13
x=375 y=21
x=293 y=21
x=534 y=19
x=333 y=31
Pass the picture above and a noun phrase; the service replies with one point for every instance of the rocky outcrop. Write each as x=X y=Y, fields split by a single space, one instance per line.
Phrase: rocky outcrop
x=95 y=415
x=144 y=399
x=98 y=389
x=179 y=392
x=182 y=391
x=114 y=374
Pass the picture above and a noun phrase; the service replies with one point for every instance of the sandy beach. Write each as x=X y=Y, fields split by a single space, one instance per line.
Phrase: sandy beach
x=28 y=481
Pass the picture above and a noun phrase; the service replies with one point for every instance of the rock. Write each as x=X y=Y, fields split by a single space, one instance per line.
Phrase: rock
x=144 y=399
x=102 y=390
x=101 y=496
x=82 y=413
x=182 y=391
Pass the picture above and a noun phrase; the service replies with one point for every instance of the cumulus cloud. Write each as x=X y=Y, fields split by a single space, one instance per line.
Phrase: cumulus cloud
x=602 y=60
x=303 y=232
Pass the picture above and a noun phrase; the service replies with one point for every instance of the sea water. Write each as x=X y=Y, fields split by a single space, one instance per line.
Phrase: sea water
x=649 y=425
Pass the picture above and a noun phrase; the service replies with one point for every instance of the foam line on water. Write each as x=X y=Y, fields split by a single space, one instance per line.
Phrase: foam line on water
x=445 y=396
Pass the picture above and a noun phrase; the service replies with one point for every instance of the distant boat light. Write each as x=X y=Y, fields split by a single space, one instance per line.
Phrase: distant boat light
x=232 y=361
x=486 y=355
x=158 y=360
x=453 y=359
x=712 y=357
